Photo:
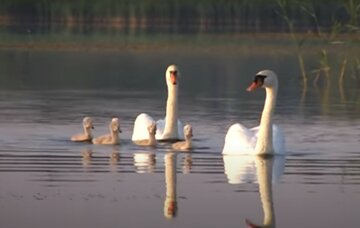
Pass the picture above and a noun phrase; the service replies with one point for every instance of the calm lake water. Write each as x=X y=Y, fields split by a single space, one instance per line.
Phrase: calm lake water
x=48 y=181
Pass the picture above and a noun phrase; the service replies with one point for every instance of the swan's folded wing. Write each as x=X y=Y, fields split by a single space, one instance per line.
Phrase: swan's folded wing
x=160 y=126
x=278 y=138
x=239 y=140
x=141 y=124
x=181 y=130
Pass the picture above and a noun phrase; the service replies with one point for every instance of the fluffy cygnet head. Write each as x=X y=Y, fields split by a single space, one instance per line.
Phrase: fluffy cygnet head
x=152 y=129
x=115 y=125
x=88 y=123
x=188 y=133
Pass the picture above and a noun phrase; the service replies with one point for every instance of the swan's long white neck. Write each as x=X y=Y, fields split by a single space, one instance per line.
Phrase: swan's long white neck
x=264 y=172
x=264 y=143
x=171 y=124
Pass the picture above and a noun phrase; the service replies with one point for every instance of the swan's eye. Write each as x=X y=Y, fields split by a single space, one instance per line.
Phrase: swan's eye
x=174 y=72
x=259 y=79
x=258 y=82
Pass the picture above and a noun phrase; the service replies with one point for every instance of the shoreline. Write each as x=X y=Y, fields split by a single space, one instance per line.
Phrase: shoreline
x=252 y=42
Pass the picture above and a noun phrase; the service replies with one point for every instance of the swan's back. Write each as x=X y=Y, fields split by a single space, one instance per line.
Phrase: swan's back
x=278 y=139
x=141 y=131
x=239 y=140
x=160 y=126
x=140 y=127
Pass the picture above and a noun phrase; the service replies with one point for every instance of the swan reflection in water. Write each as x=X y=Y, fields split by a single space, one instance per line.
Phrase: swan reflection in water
x=145 y=161
x=170 y=203
x=87 y=155
x=114 y=158
x=263 y=170
x=187 y=163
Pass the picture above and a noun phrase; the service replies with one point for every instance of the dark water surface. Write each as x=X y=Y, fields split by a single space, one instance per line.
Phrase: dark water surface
x=48 y=181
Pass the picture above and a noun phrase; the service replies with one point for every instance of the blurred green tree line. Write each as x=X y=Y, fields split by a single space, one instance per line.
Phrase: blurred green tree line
x=182 y=15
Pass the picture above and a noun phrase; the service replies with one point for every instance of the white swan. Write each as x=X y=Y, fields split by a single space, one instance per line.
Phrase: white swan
x=266 y=139
x=171 y=128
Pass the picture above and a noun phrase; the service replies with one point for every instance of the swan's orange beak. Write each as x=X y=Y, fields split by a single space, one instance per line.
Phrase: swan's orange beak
x=250 y=224
x=172 y=207
x=253 y=86
x=173 y=77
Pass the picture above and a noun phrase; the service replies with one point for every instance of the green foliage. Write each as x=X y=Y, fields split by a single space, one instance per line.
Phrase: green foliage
x=226 y=8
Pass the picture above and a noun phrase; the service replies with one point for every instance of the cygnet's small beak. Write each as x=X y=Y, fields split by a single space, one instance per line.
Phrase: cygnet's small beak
x=120 y=130
x=92 y=127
